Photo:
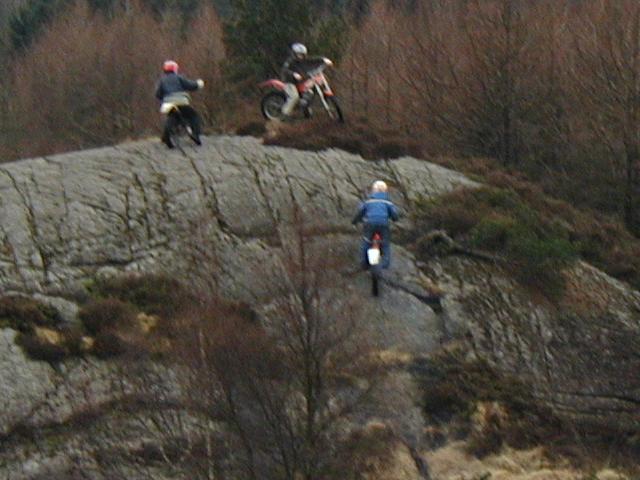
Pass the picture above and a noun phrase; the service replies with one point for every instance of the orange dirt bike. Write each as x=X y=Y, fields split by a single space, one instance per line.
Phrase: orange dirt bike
x=314 y=90
x=374 y=259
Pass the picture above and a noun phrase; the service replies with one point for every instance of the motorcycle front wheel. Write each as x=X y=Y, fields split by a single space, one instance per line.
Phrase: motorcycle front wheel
x=271 y=105
x=375 y=280
x=334 y=111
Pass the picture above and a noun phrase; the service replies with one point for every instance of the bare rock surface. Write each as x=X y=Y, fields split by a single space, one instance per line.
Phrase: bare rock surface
x=580 y=354
x=63 y=217
x=225 y=209
x=138 y=207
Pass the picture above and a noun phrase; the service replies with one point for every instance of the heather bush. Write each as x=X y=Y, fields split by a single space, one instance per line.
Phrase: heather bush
x=24 y=313
x=108 y=344
x=39 y=349
x=455 y=389
x=534 y=246
x=154 y=294
x=107 y=315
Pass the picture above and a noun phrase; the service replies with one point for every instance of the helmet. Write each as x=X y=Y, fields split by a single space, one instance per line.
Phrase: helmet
x=170 y=66
x=299 y=50
x=379 y=186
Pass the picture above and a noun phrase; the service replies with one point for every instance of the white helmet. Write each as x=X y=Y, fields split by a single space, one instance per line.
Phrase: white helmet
x=299 y=50
x=379 y=186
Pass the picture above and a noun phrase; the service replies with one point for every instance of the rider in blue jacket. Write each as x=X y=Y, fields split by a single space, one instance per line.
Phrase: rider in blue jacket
x=375 y=212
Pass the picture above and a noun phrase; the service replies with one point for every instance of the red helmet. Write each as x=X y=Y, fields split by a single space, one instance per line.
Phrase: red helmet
x=170 y=66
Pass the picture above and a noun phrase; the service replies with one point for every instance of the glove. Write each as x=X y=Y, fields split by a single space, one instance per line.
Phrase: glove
x=200 y=83
x=297 y=76
x=327 y=61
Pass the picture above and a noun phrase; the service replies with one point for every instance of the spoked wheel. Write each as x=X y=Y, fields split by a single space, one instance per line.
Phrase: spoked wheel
x=271 y=105
x=334 y=111
x=178 y=134
x=182 y=134
x=177 y=130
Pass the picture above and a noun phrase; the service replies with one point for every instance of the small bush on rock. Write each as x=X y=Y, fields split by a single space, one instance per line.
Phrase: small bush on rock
x=109 y=314
x=357 y=137
x=151 y=293
x=39 y=349
x=24 y=313
x=534 y=246
x=479 y=403
x=108 y=344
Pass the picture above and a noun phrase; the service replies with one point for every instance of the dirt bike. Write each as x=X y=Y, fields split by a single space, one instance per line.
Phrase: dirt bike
x=178 y=110
x=312 y=90
x=374 y=259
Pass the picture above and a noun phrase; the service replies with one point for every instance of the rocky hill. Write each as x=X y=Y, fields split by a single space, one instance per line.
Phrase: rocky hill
x=222 y=214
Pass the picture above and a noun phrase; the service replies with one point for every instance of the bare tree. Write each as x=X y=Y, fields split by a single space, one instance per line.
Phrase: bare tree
x=98 y=74
x=232 y=392
x=606 y=74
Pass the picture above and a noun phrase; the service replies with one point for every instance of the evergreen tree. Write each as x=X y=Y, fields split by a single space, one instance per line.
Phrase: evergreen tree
x=28 y=20
x=186 y=8
x=258 y=34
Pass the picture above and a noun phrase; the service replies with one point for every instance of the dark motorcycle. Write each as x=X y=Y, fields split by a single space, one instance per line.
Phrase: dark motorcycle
x=180 y=117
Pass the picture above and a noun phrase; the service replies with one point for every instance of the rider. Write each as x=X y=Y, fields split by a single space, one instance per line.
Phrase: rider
x=293 y=72
x=375 y=212
x=173 y=88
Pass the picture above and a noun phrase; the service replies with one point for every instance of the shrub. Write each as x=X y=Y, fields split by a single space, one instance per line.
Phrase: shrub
x=535 y=246
x=108 y=344
x=492 y=231
x=39 y=349
x=72 y=341
x=100 y=316
x=24 y=313
x=454 y=389
x=253 y=129
x=151 y=293
x=538 y=261
x=357 y=137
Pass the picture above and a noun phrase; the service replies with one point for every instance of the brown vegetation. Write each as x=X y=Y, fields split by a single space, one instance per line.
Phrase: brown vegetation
x=90 y=80
x=545 y=87
x=254 y=395
x=465 y=398
x=24 y=314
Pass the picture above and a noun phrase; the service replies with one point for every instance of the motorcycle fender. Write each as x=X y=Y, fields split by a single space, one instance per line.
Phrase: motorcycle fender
x=304 y=86
x=373 y=255
x=273 y=83
x=166 y=108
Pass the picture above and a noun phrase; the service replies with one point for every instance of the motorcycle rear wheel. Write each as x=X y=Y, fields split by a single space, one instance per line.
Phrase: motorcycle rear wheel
x=271 y=105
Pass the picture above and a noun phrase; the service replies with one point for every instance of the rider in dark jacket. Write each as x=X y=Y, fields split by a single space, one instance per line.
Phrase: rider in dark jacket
x=375 y=212
x=173 y=88
x=294 y=71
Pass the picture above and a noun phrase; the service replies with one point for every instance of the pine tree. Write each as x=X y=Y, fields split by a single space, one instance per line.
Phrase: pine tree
x=28 y=20
x=259 y=32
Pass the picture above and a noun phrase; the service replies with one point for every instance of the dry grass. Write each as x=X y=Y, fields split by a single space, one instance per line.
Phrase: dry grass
x=454 y=463
x=465 y=399
x=375 y=452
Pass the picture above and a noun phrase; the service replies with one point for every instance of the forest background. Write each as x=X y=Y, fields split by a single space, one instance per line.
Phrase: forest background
x=548 y=90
